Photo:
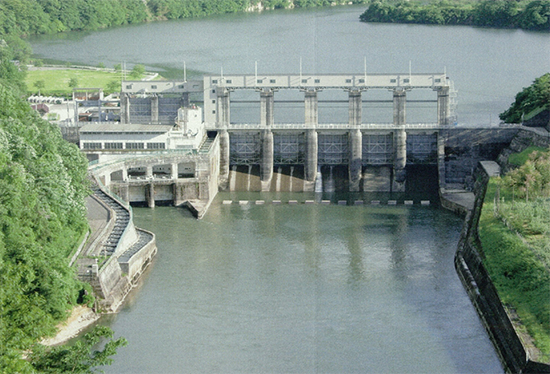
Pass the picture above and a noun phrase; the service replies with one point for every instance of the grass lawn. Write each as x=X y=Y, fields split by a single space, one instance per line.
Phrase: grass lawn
x=56 y=81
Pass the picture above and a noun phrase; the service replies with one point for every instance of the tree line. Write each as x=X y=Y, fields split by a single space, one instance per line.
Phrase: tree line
x=43 y=185
x=27 y=17
x=537 y=95
x=522 y=14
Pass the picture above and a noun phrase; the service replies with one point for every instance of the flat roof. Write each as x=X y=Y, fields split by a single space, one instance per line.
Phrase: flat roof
x=128 y=128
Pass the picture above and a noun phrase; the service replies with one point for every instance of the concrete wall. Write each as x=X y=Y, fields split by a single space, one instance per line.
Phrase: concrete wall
x=464 y=148
x=112 y=284
x=134 y=266
x=526 y=137
x=484 y=296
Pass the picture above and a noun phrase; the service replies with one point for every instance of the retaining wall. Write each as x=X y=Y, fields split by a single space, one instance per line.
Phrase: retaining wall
x=476 y=280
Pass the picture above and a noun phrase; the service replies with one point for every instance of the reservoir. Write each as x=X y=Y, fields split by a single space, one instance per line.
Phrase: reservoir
x=310 y=288
x=488 y=66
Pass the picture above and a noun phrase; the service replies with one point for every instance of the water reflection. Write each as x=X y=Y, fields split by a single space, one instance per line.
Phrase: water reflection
x=302 y=288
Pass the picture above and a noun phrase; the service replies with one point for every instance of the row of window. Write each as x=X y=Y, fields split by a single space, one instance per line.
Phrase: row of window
x=304 y=81
x=120 y=145
x=153 y=86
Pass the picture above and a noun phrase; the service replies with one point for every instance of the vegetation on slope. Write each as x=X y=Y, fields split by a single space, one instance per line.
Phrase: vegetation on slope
x=524 y=14
x=514 y=230
x=43 y=183
x=531 y=98
x=27 y=17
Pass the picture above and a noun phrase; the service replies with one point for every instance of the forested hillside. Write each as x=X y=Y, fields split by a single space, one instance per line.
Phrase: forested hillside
x=43 y=183
x=25 y=17
x=534 y=97
x=42 y=218
x=523 y=14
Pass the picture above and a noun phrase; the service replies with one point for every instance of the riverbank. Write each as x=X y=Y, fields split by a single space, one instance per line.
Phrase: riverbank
x=507 y=331
x=81 y=318
x=526 y=15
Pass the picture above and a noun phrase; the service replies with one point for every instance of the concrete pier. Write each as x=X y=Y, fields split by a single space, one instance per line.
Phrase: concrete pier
x=266 y=108
x=311 y=155
x=224 y=158
x=355 y=140
x=355 y=160
x=125 y=108
x=150 y=195
x=443 y=106
x=311 y=121
x=155 y=109
x=400 y=140
x=441 y=161
x=222 y=122
x=266 y=168
x=311 y=108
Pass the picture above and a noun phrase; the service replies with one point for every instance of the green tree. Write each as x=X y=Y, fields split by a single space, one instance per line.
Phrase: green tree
x=43 y=183
x=78 y=358
x=113 y=86
x=39 y=85
x=537 y=95
x=73 y=82
x=137 y=71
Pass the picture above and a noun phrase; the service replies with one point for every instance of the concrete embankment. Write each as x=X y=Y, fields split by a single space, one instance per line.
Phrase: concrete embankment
x=512 y=352
x=118 y=253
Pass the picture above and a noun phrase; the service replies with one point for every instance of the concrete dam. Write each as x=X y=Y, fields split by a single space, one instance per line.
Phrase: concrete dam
x=308 y=155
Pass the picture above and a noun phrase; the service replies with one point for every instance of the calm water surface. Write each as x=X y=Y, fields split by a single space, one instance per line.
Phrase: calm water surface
x=488 y=66
x=310 y=289
x=302 y=289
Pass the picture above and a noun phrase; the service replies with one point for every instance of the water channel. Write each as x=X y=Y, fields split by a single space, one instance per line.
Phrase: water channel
x=309 y=288
x=302 y=289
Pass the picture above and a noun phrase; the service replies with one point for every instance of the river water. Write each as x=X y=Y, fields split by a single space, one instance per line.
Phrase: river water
x=309 y=288
x=302 y=289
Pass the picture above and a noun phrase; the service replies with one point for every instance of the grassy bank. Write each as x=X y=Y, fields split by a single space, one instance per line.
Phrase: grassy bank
x=515 y=235
x=60 y=81
x=56 y=81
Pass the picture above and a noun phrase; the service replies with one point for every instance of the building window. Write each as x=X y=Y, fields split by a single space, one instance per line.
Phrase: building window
x=260 y=81
x=213 y=112
x=135 y=145
x=213 y=101
x=113 y=145
x=128 y=86
x=156 y=145
x=213 y=91
x=229 y=81
x=214 y=81
x=304 y=80
x=393 y=80
x=406 y=80
x=348 y=80
x=317 y=81
x=180 y=86
x=154 y=87
x=438 y=80
x=92 y=145
x=272 y=81
x=361 y=81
